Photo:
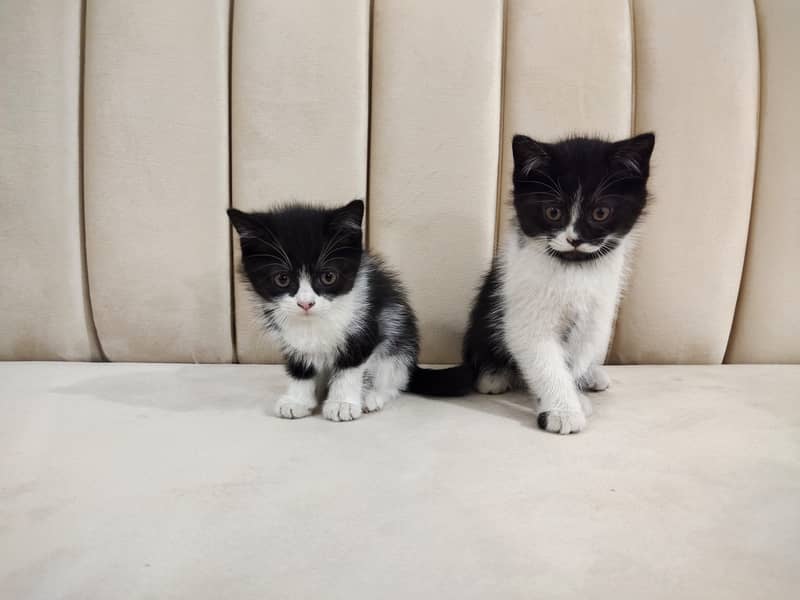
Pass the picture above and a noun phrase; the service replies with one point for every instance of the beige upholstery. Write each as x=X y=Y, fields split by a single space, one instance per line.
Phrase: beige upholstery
x=767 y=326
x=300 y=109
x=168 y=481
x=156 y=179
x=433 y=162
x=44 y=310
x=697 y=87
x=546 y=99
x=415 y=100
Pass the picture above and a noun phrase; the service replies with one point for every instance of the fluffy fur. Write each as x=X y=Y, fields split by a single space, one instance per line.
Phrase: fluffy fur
x=341 y=317
x=543 y=316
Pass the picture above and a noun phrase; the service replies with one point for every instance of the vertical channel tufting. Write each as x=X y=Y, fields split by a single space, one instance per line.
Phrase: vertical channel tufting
x=697 y=88
x=433 y=155
x=44 y=310
x=299 y=117
x=231 y=240
x=767 y=324
x=568 y=70
x=156 y=178
x=499 y=186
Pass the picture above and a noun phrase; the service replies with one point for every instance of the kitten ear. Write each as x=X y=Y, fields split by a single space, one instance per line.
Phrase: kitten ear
x=634 y=154
x=242 y=222
x=529 y=155
x=349 y=216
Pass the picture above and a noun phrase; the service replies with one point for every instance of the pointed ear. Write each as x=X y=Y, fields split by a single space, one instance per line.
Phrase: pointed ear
x=349 y=216
x=529 y=155
x=242 y=222
x=634 y=154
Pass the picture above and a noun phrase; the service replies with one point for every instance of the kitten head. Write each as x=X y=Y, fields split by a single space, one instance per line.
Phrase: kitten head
x=580 y=196
x=300 y=259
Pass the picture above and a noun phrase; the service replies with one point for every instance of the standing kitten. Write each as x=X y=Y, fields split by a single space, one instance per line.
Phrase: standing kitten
x=338 y=314
x=544 y=314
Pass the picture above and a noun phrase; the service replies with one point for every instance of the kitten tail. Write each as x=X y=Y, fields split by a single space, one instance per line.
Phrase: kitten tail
x=449 y=382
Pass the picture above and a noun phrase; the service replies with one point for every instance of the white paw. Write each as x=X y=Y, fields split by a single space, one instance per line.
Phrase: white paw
x=562 y=421
x=341 y=411
x=290 y=407
x=497 y=382
x=375 y=401
x=595 y=380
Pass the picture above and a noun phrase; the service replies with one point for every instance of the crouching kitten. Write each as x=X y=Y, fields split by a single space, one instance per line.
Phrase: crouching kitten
x=340 y=316
x=544 y=314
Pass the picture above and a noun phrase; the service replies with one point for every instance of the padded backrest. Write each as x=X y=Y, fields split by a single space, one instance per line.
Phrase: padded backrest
x=127 y=128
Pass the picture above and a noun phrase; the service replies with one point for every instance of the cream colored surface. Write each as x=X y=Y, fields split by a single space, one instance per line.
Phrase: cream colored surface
x=168 y=481
x=434 y=155
x=300 y=112
x=156 y=179
x=767 y=325
x=697 y=88
x=568 y=70
x=44 y=312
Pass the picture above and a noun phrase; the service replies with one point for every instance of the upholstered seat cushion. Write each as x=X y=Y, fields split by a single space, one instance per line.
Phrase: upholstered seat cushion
x=171 y=481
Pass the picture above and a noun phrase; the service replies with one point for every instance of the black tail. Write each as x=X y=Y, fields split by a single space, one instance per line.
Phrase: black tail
x=452 y=381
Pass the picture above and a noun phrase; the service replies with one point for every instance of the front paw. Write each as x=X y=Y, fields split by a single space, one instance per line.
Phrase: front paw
x=290 y=407
x=562 y=421
x=334 y=410
x=374 y=401
x=594 y=380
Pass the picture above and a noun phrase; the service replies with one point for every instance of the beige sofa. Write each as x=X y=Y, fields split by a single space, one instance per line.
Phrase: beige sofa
x=136 y=461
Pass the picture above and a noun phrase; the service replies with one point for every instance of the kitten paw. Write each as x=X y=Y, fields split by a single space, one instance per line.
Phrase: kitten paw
x=561 y=421
x=289 y=407
x=375 y=401
x=341 y=411
x=594 y=380
x=493 y=382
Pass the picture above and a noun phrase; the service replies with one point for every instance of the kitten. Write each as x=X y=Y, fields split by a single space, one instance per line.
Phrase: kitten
x=341 y=318
x=544 y=313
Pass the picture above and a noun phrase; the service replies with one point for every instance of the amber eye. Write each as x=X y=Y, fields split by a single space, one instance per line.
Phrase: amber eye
x=281 y=279
x=552 y=213
x=601 y=213
x=328 y=277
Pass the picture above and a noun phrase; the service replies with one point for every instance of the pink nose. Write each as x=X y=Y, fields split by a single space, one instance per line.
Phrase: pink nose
x=306 y=306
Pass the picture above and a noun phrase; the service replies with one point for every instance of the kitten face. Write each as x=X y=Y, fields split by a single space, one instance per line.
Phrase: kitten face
x=300 y=259
x=581 y=196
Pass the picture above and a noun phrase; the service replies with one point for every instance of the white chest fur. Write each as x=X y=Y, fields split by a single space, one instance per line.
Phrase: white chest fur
x=544 y=296
x=316 y=339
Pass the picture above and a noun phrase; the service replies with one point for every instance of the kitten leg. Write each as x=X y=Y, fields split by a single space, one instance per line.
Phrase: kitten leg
x=300 y=399
x=494 y=381
x=544 y=368
x=345 y=395
x=587 y=345
x=389 y=375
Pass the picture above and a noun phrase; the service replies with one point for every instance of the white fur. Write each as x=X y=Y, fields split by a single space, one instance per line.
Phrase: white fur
x=544 y=298
x=299 y=400
x=316 y=336
x=319 y=333
x=494 y=383
x=345 y=395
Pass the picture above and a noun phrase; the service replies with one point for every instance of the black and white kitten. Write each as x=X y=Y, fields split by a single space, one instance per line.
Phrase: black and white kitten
x=544 y=314
x=339 y=315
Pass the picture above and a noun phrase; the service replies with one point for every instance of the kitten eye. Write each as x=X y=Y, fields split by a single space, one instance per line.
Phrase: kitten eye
x=281 y=279
x=601 y=213
x=552 y=213
x=328 y=277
